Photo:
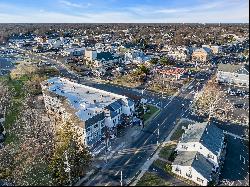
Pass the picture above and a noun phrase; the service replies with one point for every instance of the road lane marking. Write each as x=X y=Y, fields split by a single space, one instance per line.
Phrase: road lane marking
x=107 y=184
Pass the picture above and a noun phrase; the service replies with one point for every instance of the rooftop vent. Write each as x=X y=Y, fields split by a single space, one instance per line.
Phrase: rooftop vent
x=196 y=158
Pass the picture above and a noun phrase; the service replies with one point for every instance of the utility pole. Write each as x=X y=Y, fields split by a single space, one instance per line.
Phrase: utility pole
x=162 y=92
x=121 y=178
x=158 y=133
x=107 y=141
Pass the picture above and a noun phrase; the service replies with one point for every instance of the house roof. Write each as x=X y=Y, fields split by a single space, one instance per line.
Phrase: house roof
x=234 y=68
x=200 y=50
x=115 y=105
x=94 y=119
x=113 y=114
x=195 y=160
x=105 y=55
x=208 y=135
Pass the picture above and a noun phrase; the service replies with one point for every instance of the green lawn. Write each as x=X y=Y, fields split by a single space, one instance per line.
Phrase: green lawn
x=166 y=151
x=16 y=101
x=152 y=111
x=151 y=179
x=179 y=131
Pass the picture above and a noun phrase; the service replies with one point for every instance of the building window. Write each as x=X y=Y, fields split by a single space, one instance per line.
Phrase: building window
x=189 y=175
x=210 y=156
x=199 y=180
x=88 y=129
x=102 y=124
x=96 y=125
x=184 y=147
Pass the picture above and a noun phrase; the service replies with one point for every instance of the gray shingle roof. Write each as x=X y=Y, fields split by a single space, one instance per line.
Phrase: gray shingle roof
x=203 y=166
x=115 y=105
x=113 y=114
x=91 y=121
x=196 y=160
x=105 y=55
x=212 y=138
x=208 y=135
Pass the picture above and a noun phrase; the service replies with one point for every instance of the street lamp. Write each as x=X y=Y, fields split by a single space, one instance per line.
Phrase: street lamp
x=121 y=178
x=158 y=133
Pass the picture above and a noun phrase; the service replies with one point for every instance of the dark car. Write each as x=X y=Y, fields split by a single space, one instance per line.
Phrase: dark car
x=239 y=105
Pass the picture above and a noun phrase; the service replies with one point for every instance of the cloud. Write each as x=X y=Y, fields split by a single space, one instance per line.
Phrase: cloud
x=74 y=5
x=233 y=11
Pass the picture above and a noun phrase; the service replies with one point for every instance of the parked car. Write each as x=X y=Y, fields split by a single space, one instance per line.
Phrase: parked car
x=239 y=105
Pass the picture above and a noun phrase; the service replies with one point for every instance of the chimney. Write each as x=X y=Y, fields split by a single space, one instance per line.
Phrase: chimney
x=196 y=158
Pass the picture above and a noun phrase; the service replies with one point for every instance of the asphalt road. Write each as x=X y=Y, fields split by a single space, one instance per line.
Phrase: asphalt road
x=146 y=143
x=130 y=162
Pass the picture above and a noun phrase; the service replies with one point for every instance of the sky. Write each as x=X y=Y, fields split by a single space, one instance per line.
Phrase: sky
x=124 y=11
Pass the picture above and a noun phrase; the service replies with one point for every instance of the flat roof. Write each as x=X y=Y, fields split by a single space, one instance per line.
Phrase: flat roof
x=87 y=101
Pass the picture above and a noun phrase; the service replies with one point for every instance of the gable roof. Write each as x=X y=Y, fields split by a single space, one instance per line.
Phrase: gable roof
x=208 y=135
x=195 y=160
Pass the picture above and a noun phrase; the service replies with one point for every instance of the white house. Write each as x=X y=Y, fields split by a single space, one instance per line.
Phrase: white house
x=204 y=138
x=199 y=152
x=193 y=166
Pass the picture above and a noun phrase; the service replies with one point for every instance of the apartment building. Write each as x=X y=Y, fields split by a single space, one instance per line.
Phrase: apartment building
x=92 y=111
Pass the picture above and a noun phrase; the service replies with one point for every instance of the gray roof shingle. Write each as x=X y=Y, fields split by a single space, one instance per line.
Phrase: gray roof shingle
x=208 y=135
x=196 y=160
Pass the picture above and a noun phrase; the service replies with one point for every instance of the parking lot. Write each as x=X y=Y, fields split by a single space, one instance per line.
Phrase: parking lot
x=235 y=171
x=239 y=98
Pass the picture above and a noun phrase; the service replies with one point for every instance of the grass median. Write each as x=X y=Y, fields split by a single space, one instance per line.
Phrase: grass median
x=151 y=179
x=152 y=111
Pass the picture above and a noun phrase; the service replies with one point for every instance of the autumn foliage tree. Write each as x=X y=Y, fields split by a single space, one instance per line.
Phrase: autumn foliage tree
x=213 y=103
x=69 y=149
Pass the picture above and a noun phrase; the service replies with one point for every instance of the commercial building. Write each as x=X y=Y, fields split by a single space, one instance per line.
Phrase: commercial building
x=233 y=74
x=200 y=55
x=94 y=112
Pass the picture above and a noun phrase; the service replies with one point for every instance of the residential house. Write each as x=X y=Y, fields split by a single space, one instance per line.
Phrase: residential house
x=171 y=72
x=205 y=138
x=105 y=59
x=193 y=166
x=199 y=152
